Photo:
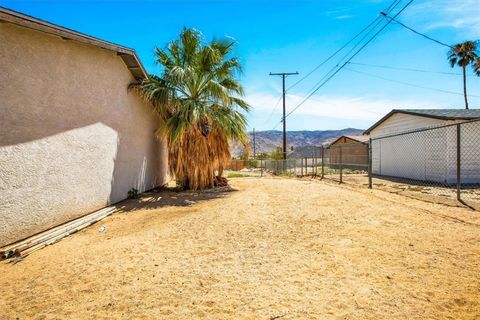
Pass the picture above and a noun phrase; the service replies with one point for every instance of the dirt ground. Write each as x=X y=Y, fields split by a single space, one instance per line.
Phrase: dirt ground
x=277 y=248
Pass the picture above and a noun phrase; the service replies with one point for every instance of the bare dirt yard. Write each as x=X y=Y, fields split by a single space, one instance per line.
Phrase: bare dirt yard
x=277 y=248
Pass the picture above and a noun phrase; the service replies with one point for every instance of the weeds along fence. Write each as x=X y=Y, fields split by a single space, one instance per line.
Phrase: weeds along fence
x=437 y=164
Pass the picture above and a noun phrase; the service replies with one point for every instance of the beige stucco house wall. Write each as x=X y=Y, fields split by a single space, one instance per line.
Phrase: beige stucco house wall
x=73 y=138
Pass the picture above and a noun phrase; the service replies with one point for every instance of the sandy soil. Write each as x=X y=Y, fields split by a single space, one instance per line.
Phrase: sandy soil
x=276 y=249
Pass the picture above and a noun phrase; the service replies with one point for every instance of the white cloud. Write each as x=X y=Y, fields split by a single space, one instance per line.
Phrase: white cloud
x=354 y=108
x=344 y=16
x=341 y=13
x=462 y=15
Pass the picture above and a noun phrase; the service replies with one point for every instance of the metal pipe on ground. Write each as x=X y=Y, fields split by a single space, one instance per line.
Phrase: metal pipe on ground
x=43 y=239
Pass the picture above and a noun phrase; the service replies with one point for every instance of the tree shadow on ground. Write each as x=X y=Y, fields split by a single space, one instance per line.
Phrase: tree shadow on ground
x=171 y=197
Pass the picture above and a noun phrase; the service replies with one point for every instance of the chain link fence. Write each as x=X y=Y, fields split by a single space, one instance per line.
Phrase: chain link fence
x=440 y=164
x=436 y=164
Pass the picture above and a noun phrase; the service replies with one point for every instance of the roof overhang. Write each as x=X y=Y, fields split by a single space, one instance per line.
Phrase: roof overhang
x=348 y=137
x=128 y=55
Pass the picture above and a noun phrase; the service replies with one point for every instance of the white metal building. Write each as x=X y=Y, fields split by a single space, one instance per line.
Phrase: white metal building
x=401 y=148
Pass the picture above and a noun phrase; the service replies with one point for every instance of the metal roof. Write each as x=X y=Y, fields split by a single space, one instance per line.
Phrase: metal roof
x=128 y=55
x=442 y=114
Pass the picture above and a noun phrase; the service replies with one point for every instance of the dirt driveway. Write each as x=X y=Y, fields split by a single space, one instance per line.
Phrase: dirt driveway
x=275 y=249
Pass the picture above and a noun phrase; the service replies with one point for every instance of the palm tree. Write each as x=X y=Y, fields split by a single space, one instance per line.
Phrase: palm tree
x=198 y=99
x=476 y=67
x=463 y=54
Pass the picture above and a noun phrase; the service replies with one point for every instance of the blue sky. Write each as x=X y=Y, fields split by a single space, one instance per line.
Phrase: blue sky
x=296 y=36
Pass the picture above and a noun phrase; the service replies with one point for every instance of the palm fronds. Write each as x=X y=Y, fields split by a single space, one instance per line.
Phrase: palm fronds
x=200 y=103
x=463 y=55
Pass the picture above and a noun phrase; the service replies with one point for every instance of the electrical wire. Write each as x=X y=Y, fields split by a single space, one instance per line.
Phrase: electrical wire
x=351 y=58
x=332 y=55
x=273 y=110
x=376 y=21
x=329 y=74
x=407 y=83
x=404 y=69
x=386 y=16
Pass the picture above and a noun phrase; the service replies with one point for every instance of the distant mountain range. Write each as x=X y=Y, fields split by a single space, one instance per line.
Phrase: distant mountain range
x=303 y=142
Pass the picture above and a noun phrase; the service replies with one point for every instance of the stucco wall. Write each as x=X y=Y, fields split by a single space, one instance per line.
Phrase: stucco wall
x=73 y=139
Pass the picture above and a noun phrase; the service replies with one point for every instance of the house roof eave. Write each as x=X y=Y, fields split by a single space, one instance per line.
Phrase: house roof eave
x=128 y=55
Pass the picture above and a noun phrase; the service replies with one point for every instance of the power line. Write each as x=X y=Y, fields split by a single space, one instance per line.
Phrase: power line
x=376 y=21
x=332 y=55
x=344 y=57
x=408 y=84
x=404 y=69
x=359 y=42
x=415 y=31
x=389 y=8
x=273 y=110
x=284 y=75
x=351 y=58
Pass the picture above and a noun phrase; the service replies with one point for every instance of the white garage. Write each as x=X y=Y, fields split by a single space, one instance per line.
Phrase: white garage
x=422 y=145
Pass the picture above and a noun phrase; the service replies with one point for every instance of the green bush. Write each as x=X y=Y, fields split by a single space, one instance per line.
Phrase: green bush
x=133 y=194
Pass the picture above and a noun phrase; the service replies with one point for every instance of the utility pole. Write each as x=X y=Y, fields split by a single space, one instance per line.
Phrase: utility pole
x=254 y=144
x=284 y=75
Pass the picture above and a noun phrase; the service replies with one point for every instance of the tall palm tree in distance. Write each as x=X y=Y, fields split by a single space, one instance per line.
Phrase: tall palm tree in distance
x=476 y=67
x=198 y=99
x=463 y=55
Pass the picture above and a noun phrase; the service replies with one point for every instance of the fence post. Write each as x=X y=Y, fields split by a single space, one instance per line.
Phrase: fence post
x=370 y=163
x=261 y=168
x=459 y=175
x=307 y=164
x=341 y=167
x=301 y=167
x=323 y=162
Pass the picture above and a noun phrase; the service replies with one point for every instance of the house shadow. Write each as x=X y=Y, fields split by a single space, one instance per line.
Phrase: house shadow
x=170 y=197
x=74 y=144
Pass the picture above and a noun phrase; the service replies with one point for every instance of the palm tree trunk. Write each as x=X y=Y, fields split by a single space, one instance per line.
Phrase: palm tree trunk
x=465 y=87
x=220 y=170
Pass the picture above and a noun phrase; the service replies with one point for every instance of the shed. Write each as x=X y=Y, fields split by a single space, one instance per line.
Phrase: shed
x=349 y=152
x=421 y=145
x=73 y=138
